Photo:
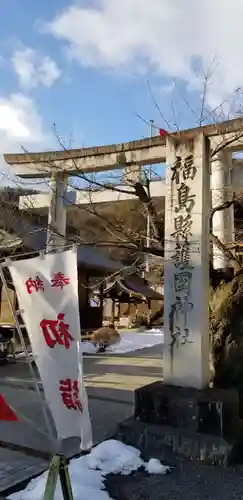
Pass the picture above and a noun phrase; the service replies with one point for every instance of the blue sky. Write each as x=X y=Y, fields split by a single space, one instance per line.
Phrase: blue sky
x=85 y=66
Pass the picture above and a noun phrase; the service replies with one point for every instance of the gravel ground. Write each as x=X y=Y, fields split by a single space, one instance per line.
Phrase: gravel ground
x=188 y=480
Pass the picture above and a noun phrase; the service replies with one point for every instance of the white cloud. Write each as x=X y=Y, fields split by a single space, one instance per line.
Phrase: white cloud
x=166 y=36
x=20 y=125
x=19 y=120
x=34 y=69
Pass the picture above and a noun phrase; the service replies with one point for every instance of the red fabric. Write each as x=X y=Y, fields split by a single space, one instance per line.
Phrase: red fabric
x=162 y=132
x=6 y=413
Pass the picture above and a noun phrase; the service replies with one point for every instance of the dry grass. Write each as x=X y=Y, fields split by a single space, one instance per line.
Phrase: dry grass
x=218 y=296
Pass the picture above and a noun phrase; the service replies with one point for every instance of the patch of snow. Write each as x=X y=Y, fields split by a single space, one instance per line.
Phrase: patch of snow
x=134 y=341
x=154 y=466
x=130 y=341
x=88 y=347
x=114 y=457
x=21 y=355
x=86 y=484
x=87 y=473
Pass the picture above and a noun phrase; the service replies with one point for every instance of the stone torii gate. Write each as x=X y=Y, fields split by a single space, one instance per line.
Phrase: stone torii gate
x=131 y=157
x=186 y=273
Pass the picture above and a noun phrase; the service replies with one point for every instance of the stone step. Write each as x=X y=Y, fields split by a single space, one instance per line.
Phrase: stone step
x=155 y=440
x=207 y=411
x=202 y=424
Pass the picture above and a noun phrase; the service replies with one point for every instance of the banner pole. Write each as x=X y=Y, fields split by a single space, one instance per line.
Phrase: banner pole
x=58 y=469
x=32 y=372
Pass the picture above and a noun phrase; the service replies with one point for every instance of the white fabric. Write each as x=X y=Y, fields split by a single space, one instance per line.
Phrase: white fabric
x=61 y=361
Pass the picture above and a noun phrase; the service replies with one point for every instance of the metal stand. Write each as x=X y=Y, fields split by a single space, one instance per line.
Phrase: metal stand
x=58 y=468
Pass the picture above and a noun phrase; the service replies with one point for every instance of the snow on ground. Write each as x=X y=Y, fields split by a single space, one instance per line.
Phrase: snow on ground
x=130 y=341
x=88 y=348
x=88 y=472
x=22 y=355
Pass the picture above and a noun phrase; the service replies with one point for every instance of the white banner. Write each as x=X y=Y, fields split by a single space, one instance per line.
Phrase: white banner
x=47 y=291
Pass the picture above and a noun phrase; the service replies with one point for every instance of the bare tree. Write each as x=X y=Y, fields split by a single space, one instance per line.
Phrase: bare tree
x=122 y=229
x=226 y=306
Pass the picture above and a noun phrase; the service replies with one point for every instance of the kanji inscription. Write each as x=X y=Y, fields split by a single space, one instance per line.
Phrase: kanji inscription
x=55 y=331
x=182 y=171
x=186 y=260
x=34 y=285
x=70 y=394
x=59 y=280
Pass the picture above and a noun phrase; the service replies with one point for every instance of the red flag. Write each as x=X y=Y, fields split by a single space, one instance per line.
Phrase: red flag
x=6 y=413
x=162 y=132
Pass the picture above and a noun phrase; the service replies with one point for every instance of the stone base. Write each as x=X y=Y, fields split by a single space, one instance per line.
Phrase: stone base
x=199 y=424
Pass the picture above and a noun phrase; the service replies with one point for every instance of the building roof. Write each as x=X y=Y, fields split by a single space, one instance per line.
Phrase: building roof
x=133 y=287
x=20 y=230
x=93 y=258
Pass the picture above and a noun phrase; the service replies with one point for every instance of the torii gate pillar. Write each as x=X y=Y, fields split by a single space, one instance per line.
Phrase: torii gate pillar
x=57 y=215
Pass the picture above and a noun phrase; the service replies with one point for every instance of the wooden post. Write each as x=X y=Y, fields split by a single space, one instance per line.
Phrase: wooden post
x=149 y=312
x=57 y=215
x=119 y=312
x=102 y=302
x=113 y=313
x=58 y=468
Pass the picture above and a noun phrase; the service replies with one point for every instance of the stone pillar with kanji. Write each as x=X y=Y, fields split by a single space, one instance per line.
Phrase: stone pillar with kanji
x=184 y=412
x=186 y=266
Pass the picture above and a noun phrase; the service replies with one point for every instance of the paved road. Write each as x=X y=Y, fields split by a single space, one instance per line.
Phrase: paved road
x=189 y=480
x=110 y=381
